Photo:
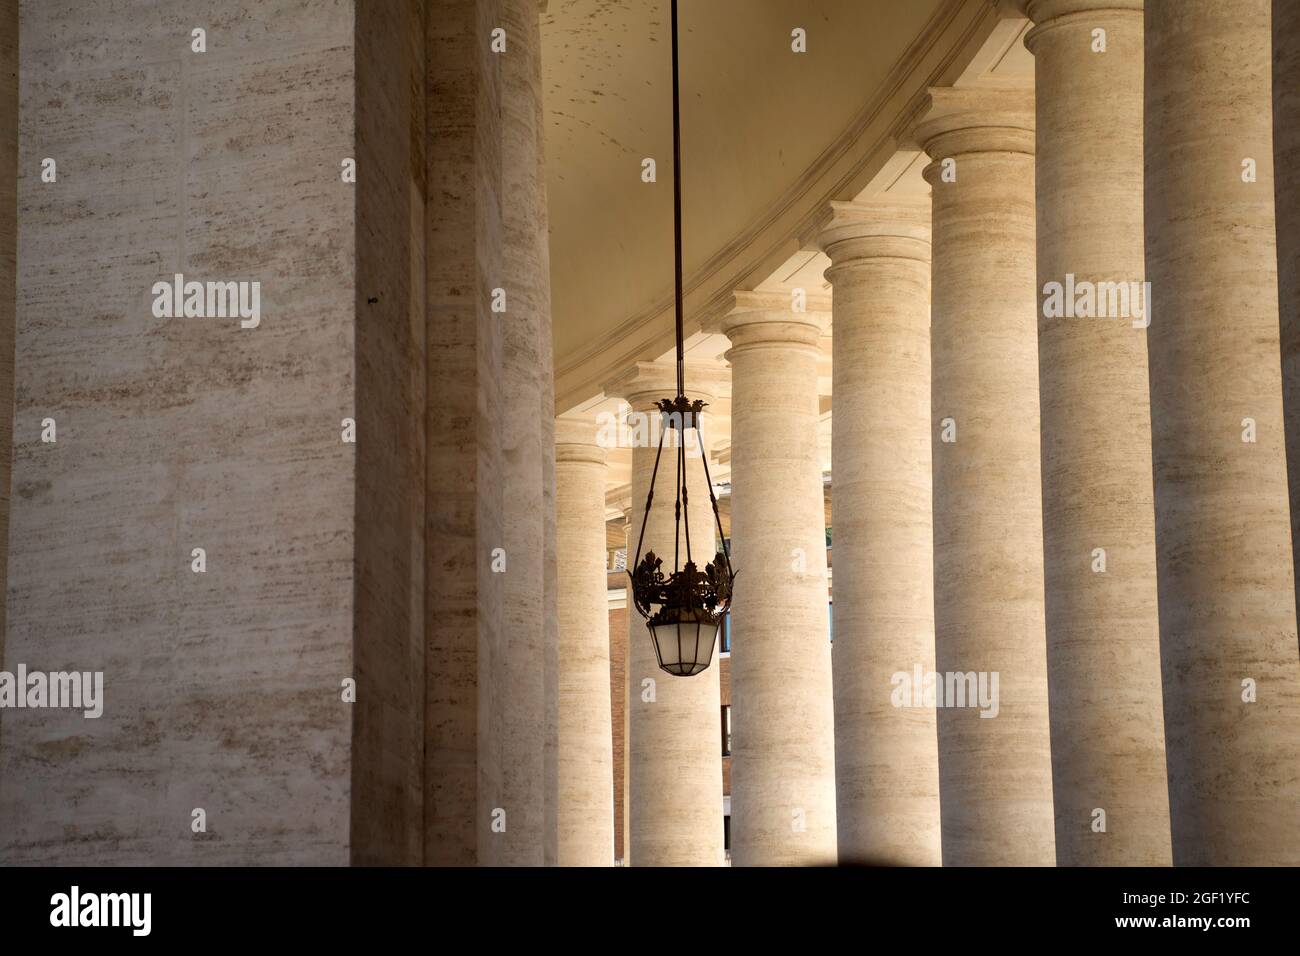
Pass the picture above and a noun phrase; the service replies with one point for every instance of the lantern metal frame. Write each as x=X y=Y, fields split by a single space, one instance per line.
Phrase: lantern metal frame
x=687 y=595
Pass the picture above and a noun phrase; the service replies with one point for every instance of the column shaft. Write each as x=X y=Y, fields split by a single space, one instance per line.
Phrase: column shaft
x=1103 y=633
x=783 y=750
x=550 y=557
x=8 y=253
x=674 y=750
x=8 y=284
x=1227 y=592
x=463 y=491
x=584 y=756
x=886 y=757
x=1286 y=191
x=619 y=699
x=994 y=771
x=224 y=689
x=522 y=702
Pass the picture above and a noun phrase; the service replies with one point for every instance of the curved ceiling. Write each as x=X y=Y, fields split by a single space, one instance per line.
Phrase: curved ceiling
x=756 y=118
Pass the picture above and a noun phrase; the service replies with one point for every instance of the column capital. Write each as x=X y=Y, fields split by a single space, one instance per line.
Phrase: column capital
x=956 y=121
x=1049 y=14
x=644 y=383
x=576 y=439
x=770 y=318
x=874 y=228
x=621 y=501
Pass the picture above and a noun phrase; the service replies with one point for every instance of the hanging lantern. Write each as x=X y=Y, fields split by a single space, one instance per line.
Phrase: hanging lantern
x=683 y=608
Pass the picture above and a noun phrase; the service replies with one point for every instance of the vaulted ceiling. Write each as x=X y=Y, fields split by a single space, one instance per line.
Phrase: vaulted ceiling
x=768 y=135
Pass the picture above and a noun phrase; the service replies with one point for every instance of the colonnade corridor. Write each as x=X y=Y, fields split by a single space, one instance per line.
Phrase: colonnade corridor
x=693 y=436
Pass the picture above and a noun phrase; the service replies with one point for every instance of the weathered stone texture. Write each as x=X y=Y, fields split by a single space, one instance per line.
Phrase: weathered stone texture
x=463 y=597
x=1286 y=192
x=1103 y=634
x=783 y=758
x=995 y=775
x=223 y=688
x=8 y=253
x=886 y=757
x=585 y=771
x=1227 y=590
x=618 y=690
x=388 y=732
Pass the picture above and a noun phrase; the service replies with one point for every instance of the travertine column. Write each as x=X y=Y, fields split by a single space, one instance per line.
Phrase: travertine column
x=522 y=703
x=223 y=689
x=619 y=701
x=1103 y=631
x=463 y=596
x=550 y=558
x=783 y=755
x=1227 y=593
x=1286 y=190
x=995 y=772
x=584 y=760
x=8 y=250
x=673 y=752
x=886 y=757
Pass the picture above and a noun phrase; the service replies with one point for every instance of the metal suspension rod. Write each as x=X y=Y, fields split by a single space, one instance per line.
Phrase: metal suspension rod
x=713 y=499
x=650 y=496
x=677 y=511
x=677 y=209
x=686 y=504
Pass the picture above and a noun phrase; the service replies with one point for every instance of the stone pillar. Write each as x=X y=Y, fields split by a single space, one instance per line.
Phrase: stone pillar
x=1227 y=592
x=995 y=772
x=620 y=731
x=1286 y=190
x=522 y=703
x=8 y=251
x=584 y=757
x=1103 y=631
x=783 y=754
x=550 y=557
x=886 y=757
x=464 y=597
x=8 y=301
x=224 y=683
x=674 y=756
x=490 y=755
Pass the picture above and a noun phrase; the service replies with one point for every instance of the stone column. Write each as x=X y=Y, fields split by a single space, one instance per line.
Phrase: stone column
x=224 y=684
x=995 y=772
x=783 y=754
x=584 y=759
x=674 y=755
x=8 y=290
x=8 y=252
x=619 y=631
x=1227 y=592
x=886 y=757
x=1103 y=631
x=1286 y=190
x=463 y=596
x=522 y=702
x=550 y=557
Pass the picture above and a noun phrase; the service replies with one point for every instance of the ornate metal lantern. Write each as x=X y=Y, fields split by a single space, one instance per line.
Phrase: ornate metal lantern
x=684 y=608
